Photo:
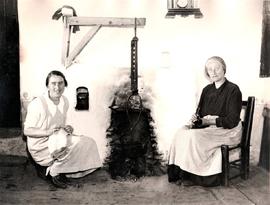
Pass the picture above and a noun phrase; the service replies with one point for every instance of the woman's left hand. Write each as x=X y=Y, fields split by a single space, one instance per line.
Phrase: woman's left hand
x=69 y=129
x=209 y=120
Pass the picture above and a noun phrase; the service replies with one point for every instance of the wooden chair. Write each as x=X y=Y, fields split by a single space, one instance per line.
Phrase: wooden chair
x=242 y=163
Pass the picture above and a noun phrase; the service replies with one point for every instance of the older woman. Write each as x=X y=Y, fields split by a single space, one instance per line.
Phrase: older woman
x=195 y=151
x=46 y=116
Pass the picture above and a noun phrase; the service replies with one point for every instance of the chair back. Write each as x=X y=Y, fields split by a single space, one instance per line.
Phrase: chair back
x=248 y=119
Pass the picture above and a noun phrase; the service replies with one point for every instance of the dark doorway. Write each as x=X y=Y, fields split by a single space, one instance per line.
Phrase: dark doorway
x=9 y=65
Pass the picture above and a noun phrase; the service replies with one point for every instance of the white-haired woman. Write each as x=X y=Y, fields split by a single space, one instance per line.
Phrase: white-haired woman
x=195 y=152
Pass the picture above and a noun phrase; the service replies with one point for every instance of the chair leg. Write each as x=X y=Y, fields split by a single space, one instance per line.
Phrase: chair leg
x=245 y=165
x=225 y=165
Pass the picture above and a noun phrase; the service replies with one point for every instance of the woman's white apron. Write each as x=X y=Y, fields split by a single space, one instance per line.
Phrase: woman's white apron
x=198 y=150
x=82 y=156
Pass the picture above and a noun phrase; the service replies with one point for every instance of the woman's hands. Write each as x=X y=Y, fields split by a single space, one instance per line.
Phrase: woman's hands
x=209 y=119
x=69 y=129
x=206 y=120
x=194 y=118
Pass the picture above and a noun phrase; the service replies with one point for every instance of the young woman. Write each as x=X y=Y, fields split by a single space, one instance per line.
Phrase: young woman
x=46 y=115
x=195 y=151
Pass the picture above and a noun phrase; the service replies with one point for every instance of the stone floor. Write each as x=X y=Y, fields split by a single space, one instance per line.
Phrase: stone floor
x=20 y=185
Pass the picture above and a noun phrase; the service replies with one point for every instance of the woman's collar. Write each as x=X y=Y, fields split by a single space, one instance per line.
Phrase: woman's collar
x=49 y=100
x=220 y=84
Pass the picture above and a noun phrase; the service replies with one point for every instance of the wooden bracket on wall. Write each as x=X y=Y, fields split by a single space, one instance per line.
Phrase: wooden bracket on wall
x=96 y=23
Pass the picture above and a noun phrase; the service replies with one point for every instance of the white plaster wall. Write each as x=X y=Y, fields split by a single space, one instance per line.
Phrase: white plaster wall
x=172 y=53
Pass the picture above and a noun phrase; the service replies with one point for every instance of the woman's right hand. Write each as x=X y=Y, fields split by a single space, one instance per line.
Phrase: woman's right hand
x=53 y=130
x=194 y=118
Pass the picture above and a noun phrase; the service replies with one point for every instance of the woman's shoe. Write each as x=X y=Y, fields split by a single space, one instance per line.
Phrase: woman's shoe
x=188 y=183
x=65 y=179
x=174 y=173
x=58 y=182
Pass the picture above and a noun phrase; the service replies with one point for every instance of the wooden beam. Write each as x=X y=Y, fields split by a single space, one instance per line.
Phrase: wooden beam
x=106 y=21
x=66 y=41
x=80 y=46
x=96 y=23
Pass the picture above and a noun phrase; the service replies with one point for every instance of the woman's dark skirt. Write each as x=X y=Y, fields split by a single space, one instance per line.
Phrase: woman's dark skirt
x=175 y=173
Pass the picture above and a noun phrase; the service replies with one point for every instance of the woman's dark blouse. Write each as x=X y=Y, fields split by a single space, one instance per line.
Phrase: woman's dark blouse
x=225 y=102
